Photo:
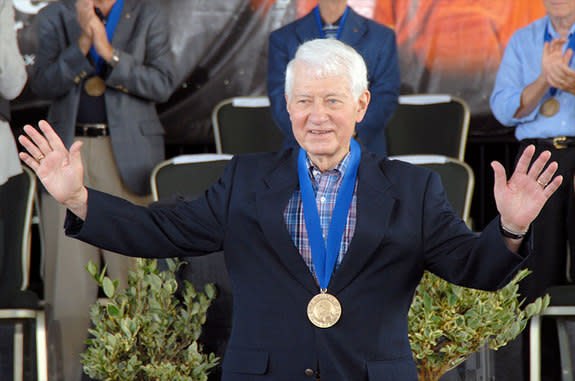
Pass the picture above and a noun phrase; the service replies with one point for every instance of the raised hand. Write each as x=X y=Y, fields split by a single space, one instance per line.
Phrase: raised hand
x=561 y=75
x=101 y=42
x=60 y=171
x=552 y=55
x=520 y=199
x=86 y=14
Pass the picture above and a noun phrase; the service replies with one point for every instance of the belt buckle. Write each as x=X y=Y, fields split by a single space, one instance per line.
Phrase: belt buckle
x=84 y=129
x=560 y=142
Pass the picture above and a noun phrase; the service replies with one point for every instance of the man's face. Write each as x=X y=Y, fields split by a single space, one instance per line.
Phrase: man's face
x=560 y=8
x=323 y=113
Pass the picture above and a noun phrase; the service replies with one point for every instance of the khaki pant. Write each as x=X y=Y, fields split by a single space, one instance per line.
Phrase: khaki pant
x=68 y=288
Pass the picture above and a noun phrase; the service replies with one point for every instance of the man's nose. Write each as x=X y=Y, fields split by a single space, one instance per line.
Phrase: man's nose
x=318 y=113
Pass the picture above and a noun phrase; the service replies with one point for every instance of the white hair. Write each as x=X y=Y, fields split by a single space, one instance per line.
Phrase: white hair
x=329 y=58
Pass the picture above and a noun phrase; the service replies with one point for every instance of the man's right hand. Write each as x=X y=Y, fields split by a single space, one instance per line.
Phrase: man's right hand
x=86 y=14
x=552 y=54
x=60 y=171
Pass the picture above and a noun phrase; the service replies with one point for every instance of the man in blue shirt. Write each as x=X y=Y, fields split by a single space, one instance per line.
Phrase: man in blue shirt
x=333 y=19
x=534 y=91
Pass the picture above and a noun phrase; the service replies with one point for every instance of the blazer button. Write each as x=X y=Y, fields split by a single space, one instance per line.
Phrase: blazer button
x=309 y=372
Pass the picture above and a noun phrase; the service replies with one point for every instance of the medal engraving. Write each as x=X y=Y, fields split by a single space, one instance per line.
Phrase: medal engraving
x=550 y=107
x=95 y=86
x=324 y=310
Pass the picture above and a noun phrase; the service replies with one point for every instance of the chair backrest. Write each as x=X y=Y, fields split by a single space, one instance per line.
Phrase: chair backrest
x=245 y=125
x=16 y=209
x=428 y=124
x=187 y=175
x=457 y=178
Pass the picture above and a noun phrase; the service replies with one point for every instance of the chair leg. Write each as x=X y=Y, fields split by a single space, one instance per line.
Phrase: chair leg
x=41 y=347
x=18 y=351
x=535 y=348
x=566 y=369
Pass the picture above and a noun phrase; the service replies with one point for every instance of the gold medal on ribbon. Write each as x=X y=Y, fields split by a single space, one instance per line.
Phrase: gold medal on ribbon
x=324 y=310
x=95 y=86
x=550 y=107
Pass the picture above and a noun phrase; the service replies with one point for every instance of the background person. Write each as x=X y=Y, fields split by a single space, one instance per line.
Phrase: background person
x=12 y=80
x=534 y=91
x=385 y=221
x=333 y=19
x=103 y=64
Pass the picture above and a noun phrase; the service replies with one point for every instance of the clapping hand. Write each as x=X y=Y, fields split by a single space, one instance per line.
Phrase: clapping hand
x=555 y=65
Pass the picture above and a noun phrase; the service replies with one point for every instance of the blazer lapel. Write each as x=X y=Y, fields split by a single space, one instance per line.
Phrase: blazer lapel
x=125 y=26
x=71 y=25
x=307 y=28
x=353 y=29
x=272 y=197
x=375 y=202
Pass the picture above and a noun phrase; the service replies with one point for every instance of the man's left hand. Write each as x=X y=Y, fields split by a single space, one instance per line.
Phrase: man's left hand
x=520 y=199
x=101 y=42
x=560 y=75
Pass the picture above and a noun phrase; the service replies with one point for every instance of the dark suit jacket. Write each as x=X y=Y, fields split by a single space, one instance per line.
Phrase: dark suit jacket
x=144 y=76
x=375 y=43
x=405 y=225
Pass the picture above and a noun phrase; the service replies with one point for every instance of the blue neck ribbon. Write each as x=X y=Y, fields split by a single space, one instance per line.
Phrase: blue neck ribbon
x=570 y=45
x=320 y=24
x=111 y=24
x=324 y=254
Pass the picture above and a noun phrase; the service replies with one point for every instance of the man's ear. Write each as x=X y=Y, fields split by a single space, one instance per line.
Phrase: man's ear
x=287 y=105
x=362 y=103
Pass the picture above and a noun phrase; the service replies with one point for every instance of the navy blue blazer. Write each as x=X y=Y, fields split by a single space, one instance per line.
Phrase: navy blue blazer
x=375 y=43
x=405 y=225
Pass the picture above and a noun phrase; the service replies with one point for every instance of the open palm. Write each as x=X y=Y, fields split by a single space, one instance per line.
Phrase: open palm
x=60 y=171
x=520 y=199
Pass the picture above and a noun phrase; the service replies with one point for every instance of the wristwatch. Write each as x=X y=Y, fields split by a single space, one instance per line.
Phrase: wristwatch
x=115 y=58
x=510 y=234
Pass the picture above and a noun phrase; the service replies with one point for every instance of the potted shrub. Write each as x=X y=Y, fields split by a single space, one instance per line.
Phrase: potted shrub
x=448 y=323
x=147 y=332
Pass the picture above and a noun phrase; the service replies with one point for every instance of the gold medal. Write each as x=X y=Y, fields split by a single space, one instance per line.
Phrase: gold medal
x=95 y=86
x=324 y=310
x=550 y=107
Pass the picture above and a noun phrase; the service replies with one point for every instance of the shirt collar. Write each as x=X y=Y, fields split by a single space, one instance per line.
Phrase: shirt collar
x=339 y=169
x=553 y=33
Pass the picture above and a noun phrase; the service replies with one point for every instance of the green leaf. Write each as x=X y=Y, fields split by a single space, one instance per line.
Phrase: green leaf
x=109 y=287
x=113 y=310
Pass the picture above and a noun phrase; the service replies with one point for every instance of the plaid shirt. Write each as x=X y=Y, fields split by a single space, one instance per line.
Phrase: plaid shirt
x=325 y=186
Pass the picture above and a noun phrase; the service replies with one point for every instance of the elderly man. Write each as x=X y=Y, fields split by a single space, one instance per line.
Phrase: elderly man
x=333 y=19
x=535 y=91
x=325 y=243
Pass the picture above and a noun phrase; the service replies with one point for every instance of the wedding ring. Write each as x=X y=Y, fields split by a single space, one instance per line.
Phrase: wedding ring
x=40 y=157
x=543 y=185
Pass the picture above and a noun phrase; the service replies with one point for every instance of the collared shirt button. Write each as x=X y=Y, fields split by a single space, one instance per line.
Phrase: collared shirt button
x=309 y=372
x=563 y=123
x=322 y=198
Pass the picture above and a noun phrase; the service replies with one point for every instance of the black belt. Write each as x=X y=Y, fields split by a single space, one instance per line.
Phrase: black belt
x=558 y=142
x=92 y=129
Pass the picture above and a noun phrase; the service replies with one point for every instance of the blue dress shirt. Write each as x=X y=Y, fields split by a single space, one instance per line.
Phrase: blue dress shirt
x=520 y=66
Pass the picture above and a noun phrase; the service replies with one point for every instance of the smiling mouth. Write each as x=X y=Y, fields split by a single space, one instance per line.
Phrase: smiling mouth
x=319 y=132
